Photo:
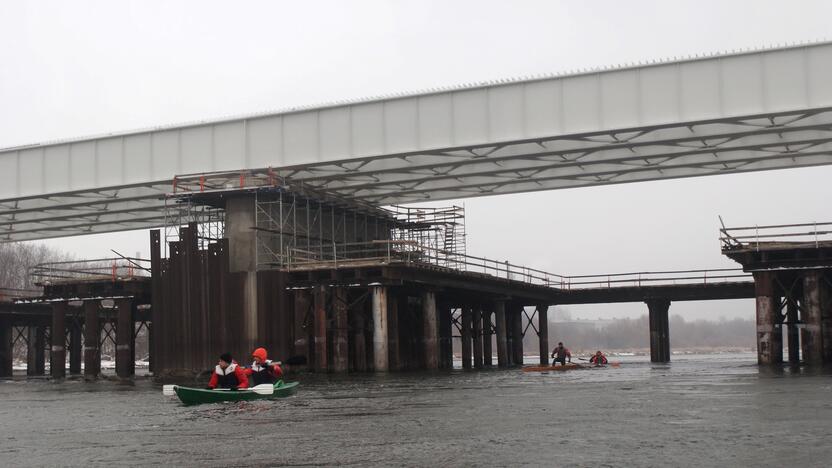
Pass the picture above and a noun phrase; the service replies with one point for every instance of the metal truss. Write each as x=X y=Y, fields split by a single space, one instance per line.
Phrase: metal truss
x=685 y=149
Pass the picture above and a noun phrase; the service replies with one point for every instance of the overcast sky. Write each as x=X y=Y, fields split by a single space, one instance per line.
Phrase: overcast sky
x=78 y=68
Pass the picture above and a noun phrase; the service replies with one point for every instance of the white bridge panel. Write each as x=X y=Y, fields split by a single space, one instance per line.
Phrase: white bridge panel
x=725 y=113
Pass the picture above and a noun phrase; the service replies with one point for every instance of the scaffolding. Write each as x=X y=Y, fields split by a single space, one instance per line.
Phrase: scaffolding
x=441 y=229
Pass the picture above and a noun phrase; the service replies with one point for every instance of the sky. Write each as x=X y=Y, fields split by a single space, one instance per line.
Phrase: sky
x=81 y=68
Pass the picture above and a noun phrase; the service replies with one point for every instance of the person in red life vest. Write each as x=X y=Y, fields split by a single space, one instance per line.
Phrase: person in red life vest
x=228 y=374
x=561 y=354
x=263 y=370
x=598 y=359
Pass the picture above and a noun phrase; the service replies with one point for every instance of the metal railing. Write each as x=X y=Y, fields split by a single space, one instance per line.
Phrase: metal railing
x=409 y=252
x=804 y=234
x=101 y=269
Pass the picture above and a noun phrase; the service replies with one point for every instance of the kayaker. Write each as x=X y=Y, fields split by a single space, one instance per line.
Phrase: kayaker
x=263 y=370
x=561 y=355
x=228 y=374
x=598 y=359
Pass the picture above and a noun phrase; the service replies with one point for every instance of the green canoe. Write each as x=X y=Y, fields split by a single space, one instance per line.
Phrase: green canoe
x=196 y=396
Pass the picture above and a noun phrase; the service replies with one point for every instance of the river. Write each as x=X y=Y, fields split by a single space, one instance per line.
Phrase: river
x=698 y=411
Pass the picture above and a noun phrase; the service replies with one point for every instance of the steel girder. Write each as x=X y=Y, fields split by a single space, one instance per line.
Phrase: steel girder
x=687 y=149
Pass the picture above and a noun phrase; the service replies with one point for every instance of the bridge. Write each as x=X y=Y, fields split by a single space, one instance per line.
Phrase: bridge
x=297 y=229
x=713 y=114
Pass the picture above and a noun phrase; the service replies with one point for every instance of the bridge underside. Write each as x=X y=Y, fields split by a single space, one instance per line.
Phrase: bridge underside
x=721 y=114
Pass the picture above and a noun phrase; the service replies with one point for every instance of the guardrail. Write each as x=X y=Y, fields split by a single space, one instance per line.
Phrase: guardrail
x=807 y=234
x=410 y=252
x=101 y=269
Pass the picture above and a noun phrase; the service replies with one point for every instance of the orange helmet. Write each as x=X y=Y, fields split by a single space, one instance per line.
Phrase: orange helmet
x=260 y=353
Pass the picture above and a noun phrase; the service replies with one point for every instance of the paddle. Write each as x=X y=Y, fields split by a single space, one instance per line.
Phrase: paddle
x=262 y=389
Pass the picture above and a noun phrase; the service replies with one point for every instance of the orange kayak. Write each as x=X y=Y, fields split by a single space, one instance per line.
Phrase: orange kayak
x=567 y=367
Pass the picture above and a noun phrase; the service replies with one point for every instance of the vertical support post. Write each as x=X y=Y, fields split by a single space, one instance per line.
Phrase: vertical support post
x=466 y=337
x=793 y=331
x=393 y=356
x=57 y=355
x=811 y=336
x=340 y=353
x=75 y=349
x=301 y=329
x=360 y=339
x=769 y=343
x=659 y=329
x=517 y=335
x=543 y=333
x=487 y=352
x=380 y=357
x=500 y=325
x=125 y=355
x=477 y=335
x=92 y=339
x=35 y=357
x=431 y=330
x=826 y=317
x=5 y=347
x=319 y=311
x=446 y=357
x=156 y=300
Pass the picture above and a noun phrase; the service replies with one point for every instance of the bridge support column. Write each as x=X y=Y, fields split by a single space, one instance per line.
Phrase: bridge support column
x=57 y=354
x=476 y=332
x=516 y=315
x=769 y=338
x=431 y=330
x=125 y=353
x=5 y=347
x=319 y=314
x=92 y=340
x=393 y=348
x=340 y=338
x=811 y=336
x=75 y=348
x=446 y=351
x=36 y=355
x=543 y=333
x=302 y=331
x=793 y=331
x=380 y=350
x=826 y=316
x=487 y=331
x=240 y=221
x=659 y=330
x=500 y=325
x=359 y=341
x=466 y=337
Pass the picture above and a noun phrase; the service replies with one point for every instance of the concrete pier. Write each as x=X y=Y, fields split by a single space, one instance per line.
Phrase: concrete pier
x=466 y=337
x=543 y=333
x=769 y=338
x=57 y=354
x=340 y=337
x=380 y=349
x=36 y=355
x=319 y=314
x=5 y=348
x=75 y=348
x=811 y=338
x=476 y=333
x=517 y=313
x=500 y=326
x=394 y=300
x=125 y=350
x=446 y=357
x=487 y=331
x=659 y=330
x=793 y=331
x=430 y=330
x=92 y=340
